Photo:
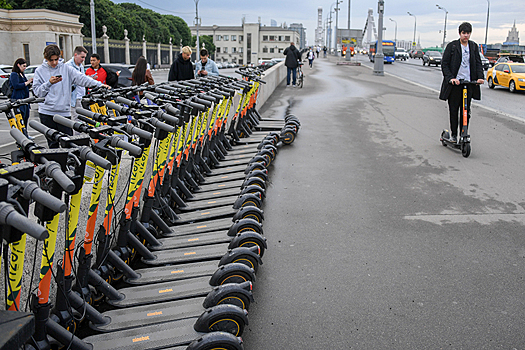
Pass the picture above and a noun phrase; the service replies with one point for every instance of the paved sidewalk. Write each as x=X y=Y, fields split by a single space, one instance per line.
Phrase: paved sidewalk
x=381 y=238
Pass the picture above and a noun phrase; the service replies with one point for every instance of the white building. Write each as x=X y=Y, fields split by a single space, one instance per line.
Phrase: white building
x=25 y=33
x=249 y=42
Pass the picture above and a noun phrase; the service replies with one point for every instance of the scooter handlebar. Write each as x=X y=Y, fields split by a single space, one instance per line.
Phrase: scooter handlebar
x=54 y=171
x=134 y=150
x=32 y=191
x=9 y=216
x=87 y=154
x=160 y=125
x=131 y=129
x=118 y=108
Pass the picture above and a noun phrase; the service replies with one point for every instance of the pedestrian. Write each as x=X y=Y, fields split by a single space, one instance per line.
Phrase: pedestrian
x=20 y=85
x=317 y=50
x=324 y=51
x=205 y=66
x=53 y=80
x=77 y=92
x=461 y=60
x=311 y=57
x=96 y=71
x=141 y=73
x=293 y=56
x=182 y=68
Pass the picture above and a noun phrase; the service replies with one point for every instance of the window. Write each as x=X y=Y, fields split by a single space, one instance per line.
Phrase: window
x=272 y=50
x=240 y=49
x=281 y=38
x=272 y=37
x=218 y=49
x=26 y=53
x=234 y=37
x=234 y=49
x=265 y=50
x=281 y=50
x=287 y=38
x=265 y=37
x=241 y=38
x=240 y=61
x=226 y=38
x=225 y=50
x=218 y=37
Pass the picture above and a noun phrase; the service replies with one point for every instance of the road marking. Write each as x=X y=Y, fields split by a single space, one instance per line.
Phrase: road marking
x=481 y=218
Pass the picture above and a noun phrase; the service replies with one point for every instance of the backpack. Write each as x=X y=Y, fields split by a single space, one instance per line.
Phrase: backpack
x=111 y=78
x=7 y=89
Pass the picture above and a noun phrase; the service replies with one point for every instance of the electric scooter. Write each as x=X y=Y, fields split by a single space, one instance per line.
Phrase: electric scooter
x=463 y=141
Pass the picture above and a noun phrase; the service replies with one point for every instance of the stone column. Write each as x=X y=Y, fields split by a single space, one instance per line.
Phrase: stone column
x=144 y=52
x=126 y=51
x=106 y=44
x=171 y=52
x=67 y=47
x=159 y=60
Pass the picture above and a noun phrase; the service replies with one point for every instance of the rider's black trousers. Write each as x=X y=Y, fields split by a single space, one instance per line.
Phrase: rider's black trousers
x=455 y=102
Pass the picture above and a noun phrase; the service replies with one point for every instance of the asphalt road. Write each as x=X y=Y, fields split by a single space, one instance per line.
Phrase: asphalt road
x=381 y=238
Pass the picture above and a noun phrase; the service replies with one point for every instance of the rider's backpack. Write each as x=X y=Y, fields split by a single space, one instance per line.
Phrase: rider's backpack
x=6 y=89
x=111 y=78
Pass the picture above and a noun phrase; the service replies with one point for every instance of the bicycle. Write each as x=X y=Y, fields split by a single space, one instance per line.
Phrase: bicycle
x=300 y=75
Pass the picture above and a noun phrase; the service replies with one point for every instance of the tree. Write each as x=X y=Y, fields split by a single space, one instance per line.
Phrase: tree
x=207 y=40
x=4 y=4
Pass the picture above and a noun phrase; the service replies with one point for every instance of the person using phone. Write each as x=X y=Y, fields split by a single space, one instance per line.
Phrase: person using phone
x=53 y=80
x=205 y=66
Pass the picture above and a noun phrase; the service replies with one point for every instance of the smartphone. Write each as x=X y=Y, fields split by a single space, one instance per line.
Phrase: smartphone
x=58 y=76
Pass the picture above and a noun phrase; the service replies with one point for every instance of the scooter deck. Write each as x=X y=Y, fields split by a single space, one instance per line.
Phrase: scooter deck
x=230 y=157
x=232 y=169
x=220 y=185
x=196 y=240
x=199 y=227
x=208 y=203
x=158 y=336
x=145 y=315
x=211 y=179
x=162 y=292
x=214 y=194
x=230 y=163
x=206 y=214
x=186 y=255
x=174 y=272
x=247 y=149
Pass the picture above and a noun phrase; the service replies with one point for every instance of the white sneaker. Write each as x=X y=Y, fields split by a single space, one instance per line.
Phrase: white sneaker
x=287 y=86
x=294 y=86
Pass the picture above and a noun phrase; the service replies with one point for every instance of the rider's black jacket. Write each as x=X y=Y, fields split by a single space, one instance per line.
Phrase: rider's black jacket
x=450 y=66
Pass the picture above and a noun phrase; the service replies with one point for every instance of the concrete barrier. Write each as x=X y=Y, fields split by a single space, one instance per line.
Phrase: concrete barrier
x=273 y=77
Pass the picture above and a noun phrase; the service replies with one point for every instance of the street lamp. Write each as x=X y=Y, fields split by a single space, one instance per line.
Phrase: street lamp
x=395 y=35
x=415 y=21
x=336 y=24
x=379 y=57
x=487 y=27
x=445 y=29
x=93 y=30
x=197 y=23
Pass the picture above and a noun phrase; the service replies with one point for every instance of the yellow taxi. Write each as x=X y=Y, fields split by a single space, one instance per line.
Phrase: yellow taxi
x=507 y=74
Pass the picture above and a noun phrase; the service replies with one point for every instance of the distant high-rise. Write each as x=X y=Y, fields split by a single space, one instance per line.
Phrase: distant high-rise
x=514 y=36
x=298 y=27
x=273 y=23
x=319 y=32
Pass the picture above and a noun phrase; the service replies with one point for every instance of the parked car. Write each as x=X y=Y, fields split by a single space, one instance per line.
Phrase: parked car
x=219 y=65
x=417 y=54
x=5 y=71
x=30 y=71
x=511 y=75
x=126 y=70
x=432 y=57
x=510 y=58
x=401 y=54
x=484 y=61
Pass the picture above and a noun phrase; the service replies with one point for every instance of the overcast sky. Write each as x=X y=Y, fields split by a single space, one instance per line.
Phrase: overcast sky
x=430 y=20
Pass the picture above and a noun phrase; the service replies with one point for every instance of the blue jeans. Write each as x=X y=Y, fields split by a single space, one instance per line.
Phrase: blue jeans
x=294 y=70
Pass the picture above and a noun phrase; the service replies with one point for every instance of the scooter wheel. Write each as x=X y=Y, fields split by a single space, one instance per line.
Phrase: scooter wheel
x=442 y=139
x=465 y=150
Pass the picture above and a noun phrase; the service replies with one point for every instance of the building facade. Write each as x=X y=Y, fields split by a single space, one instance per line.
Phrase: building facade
x=514 y=36
x=27 y=32
x=298 y=27
x=248 y=43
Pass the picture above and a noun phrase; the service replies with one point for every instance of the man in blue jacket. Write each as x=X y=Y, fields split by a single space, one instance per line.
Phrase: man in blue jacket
x=53 y=80
x=205 y=66
x=77 y=92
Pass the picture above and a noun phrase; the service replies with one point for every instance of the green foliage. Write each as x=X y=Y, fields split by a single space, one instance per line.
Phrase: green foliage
x=207 y=40
x=117 y=17
x=4 y=4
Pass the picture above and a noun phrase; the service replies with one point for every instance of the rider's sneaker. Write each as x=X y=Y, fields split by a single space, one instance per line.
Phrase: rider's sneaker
x=453 y=139
x=294 y=85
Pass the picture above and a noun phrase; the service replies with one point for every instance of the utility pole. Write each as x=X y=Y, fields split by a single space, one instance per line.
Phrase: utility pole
x=93 y=30
x=444 y=29
x=336 y=25
x=379 y=63
x=197 y=25
x=487 y=26
x=349 y=12
x=395 y=33
x=415 y=22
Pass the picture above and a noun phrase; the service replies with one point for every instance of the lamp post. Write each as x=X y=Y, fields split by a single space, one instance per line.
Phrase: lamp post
x=93 y=30
x=197 y=24
x=415 y=21
x=330 y=30
x=487 y=26
x=379 y=63
x=445 y=29
x=336 y=24
x=395 y=35
x=214 y=29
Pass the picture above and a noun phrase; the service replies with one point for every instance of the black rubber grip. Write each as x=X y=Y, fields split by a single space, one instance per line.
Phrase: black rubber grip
x=178 y=86
x=128 y=102
x=20 y=138
x=202 y=102
x=167 y=118
x=130 y=129
x=87 y=154
x=64 y=121
x=87 y=113
x=5 y=107
x=116 y=141
x=162 y=91
x=158 y=124
x=118 y=108
x=54 y=171
x=41 y=128
x=210 y=97
x=32 y=191
x=9 y=216
x=196 y=106
x=151 y=95
x=172 y=110
x=27 y=100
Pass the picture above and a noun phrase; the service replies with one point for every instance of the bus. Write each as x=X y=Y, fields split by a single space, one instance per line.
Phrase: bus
x=389 y=51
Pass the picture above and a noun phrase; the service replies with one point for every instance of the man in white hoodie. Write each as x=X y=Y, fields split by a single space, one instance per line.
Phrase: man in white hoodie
x=53 y=80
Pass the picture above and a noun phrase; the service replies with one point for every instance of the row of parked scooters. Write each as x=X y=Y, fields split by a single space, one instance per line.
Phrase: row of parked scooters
x=171 y=262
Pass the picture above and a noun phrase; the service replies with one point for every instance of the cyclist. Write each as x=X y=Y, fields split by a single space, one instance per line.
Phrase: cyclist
x=461 y=60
